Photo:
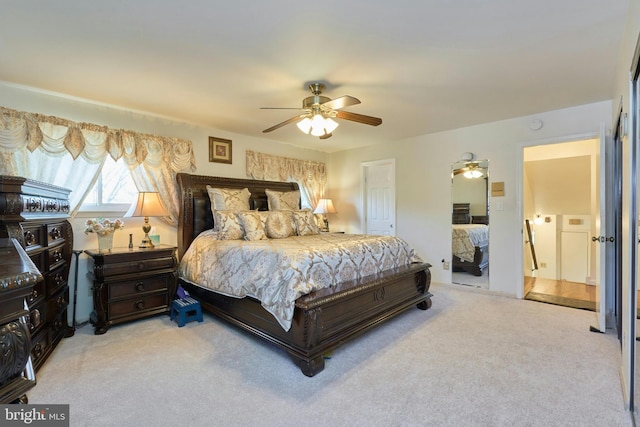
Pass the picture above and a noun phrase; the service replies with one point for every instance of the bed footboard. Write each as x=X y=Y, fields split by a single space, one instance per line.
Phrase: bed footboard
x=325 y=319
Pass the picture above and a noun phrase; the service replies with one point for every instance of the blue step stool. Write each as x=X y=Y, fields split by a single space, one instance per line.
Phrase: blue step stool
x=185 y=310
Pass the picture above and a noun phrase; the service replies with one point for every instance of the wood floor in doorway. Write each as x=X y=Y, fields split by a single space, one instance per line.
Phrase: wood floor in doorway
x=560 y=292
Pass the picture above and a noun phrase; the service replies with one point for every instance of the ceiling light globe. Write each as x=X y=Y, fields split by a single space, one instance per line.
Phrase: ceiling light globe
x=304 y=125
x=330 y=125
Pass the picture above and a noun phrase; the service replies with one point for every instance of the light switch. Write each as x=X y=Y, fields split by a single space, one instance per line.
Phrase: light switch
x=499 y=205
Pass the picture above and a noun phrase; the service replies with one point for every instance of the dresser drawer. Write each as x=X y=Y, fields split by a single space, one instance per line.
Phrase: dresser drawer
x=56 y=279
x=33 y=235
x=55 y=233
x=39 y=345
x=37 y=293
x=39 y=261
x=55 y=257
x=57 y=304
x=58 y=327
x=37 y=317
x=133 y=287
x=137 y=305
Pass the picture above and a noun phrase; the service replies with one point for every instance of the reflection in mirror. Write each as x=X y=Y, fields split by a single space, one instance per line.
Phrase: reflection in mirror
x=470 y=223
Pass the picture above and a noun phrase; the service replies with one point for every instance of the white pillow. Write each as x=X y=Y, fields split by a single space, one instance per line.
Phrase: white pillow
x=229 y=198
x=279 y=200
x=253 y=225
x=279 y=224
x=228 y=225
x=305 y=222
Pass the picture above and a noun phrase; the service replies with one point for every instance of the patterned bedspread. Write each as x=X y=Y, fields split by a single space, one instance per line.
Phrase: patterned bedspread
x=466 y=237
x=278 y=271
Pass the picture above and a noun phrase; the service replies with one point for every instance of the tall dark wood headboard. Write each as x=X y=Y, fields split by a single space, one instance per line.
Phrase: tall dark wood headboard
x=195 y=206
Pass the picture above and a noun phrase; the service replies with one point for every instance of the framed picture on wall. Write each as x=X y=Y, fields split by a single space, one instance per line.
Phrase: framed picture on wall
x=219 y=150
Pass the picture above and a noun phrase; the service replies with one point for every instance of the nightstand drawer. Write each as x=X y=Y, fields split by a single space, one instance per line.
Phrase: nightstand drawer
x=137 y=266
x=137 y=305
x=138 y=286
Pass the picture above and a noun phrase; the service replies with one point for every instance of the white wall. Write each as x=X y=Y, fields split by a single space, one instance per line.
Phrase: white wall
x=423 y=183
x=23 y=99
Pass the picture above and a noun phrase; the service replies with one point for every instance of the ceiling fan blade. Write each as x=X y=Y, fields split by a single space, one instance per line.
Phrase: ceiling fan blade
x=286 y=122
x=360 y=118
x=342 y=102
x=282 y=108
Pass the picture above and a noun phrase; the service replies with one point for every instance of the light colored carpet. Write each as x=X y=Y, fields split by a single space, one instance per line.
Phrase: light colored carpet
x=473 y=359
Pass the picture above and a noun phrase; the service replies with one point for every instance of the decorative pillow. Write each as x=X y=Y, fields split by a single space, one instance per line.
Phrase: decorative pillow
x=278 y=200
x=279 y=224
x=305 y=222
x=253 y=225
x=229 y=198
x=228 y=225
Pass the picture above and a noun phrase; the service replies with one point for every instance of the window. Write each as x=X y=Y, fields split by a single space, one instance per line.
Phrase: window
x=114 y=189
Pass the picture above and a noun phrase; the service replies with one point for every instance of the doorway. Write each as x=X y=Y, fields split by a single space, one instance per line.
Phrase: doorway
x=379 y=191
x=561 y=212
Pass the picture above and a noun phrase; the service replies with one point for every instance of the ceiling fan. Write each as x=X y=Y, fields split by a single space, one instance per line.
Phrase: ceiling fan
x=470 y=170
x=319 y=111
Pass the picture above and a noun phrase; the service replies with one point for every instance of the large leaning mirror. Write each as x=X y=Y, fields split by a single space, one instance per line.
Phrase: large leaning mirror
x=470 y=223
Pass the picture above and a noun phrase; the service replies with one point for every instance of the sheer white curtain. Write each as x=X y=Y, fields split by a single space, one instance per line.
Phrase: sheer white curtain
x=311 y=176
x=68 y=154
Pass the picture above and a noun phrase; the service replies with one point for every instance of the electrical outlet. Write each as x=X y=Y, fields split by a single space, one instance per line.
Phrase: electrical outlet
x=543 y=265
x=445 y=265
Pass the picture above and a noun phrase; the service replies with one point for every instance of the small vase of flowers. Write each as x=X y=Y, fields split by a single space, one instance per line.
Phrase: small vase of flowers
x=104 y=229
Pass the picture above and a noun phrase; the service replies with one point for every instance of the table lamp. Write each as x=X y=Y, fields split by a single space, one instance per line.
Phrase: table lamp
x=324 y=207
x=148 y=204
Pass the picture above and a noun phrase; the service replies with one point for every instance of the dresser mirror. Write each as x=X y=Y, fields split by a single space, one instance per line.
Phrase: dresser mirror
x=470 y=223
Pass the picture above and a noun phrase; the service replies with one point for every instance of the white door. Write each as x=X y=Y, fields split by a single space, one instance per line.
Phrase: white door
x=574 y=256
x=601 y=236
x=379 y=182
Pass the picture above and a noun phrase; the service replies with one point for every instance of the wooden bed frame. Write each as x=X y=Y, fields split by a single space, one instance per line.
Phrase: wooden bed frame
x=480 y=261
x=322 y=320
x=461 y=215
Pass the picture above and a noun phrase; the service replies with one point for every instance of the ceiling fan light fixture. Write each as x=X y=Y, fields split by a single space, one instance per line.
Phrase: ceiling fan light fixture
x=304 y=125
x=318 y=125
x=473 y=173
x=330 y=125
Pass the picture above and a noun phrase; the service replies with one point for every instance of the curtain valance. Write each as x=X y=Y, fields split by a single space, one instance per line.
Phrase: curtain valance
x=310 y=175
x=56 y=136
x=71 y=155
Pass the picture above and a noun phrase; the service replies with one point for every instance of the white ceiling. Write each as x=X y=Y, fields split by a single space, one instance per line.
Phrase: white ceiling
x=423 y=66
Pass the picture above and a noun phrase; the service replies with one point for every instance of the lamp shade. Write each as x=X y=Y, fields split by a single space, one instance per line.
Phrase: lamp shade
x=148 y=204
x=473 y=173
x=325 y=206
x=318 y=126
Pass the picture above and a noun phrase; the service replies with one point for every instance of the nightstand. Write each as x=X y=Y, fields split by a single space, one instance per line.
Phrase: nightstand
x=130 y=284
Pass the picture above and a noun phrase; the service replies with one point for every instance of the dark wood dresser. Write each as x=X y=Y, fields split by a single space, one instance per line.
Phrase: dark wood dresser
x=18 y=276
x=130 y=284
x=35 y=214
